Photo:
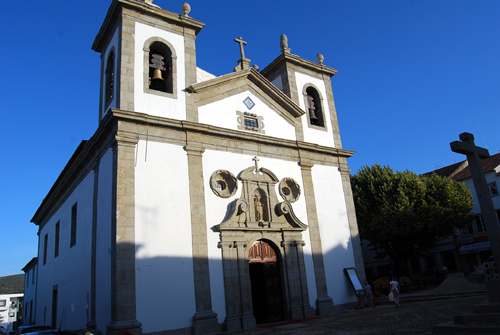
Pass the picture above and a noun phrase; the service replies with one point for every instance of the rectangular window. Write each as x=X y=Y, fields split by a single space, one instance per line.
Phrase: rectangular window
x=45 y=242
x=33 y=276
x=3 y=303
x=27 y=279
x=73 y=225
x=31 y=312
x=468 y=230
x=54 y=307
x=493 y=189
x=251 y=122
x=480 y=228
x=56 y=241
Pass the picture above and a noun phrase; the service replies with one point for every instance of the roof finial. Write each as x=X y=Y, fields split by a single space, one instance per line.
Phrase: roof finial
x=186 y=8
x=284 y=44
x=320 y=58
x=148 y=1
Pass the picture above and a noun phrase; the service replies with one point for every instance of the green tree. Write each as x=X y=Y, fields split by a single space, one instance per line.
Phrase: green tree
x=402 y=213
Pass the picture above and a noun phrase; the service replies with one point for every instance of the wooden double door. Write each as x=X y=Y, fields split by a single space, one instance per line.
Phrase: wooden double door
x=267 y=288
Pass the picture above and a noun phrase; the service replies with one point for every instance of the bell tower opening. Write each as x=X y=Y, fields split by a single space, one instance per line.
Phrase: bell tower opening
x=265 y=278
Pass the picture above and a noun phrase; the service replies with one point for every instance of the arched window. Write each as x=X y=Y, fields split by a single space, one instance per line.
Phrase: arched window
x=109 y=80
x=160 y=68
x=314 y=107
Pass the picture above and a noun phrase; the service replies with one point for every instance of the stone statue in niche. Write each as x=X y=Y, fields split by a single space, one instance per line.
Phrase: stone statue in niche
x=258 y=209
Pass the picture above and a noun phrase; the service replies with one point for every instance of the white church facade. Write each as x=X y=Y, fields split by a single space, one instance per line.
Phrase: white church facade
x=201 y=203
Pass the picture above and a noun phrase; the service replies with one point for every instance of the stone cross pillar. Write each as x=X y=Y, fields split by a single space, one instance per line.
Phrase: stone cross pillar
x=474 y=154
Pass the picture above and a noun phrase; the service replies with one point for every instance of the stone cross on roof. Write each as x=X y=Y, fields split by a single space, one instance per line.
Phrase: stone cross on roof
x=243 y=63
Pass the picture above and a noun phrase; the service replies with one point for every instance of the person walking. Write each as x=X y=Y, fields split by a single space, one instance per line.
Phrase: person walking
x=394 y=287
x=369 y=294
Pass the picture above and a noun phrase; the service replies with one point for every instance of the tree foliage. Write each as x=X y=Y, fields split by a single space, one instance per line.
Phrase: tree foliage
x=402 y=213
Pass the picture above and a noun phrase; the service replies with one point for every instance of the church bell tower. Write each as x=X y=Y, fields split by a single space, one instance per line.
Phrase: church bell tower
x=148 y=56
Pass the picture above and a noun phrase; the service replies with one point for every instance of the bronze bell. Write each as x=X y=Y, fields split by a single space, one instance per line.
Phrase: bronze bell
x=312 y=115
x=157 y=75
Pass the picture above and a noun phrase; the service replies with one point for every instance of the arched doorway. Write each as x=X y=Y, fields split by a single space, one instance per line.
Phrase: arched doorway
x=265 y=278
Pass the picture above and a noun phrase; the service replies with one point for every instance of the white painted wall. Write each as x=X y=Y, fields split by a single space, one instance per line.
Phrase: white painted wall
x=490 y=178
x=29 y=294
x=314 y=135
x=70 y=271
x=103 y=241
x=9 y=309
x=113 y=45
x=150 y=103
x=222 y=113
x=335 y=234
x=164 y=266
x=217 y=209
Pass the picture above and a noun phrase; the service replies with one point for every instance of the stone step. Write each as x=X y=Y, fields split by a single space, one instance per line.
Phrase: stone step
x=478 y=319
x=493 y=307
x=452 y=328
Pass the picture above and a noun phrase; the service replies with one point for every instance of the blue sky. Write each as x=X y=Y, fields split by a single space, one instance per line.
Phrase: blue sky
x=412 y=76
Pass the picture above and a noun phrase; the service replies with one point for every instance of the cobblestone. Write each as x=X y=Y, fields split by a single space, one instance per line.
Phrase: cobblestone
x=408 y=318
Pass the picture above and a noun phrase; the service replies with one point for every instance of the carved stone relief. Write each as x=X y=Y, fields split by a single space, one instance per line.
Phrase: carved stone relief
x=223 y=183
x=258 y=206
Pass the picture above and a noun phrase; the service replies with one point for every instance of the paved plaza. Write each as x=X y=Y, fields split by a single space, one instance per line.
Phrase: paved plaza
x=411 y=317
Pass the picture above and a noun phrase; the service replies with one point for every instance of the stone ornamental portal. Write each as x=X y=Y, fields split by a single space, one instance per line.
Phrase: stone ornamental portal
x=261 y=242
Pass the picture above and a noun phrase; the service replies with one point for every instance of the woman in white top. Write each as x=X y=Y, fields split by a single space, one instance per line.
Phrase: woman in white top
x=394 y=287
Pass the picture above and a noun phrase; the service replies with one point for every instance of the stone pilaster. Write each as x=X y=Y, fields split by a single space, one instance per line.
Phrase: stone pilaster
x=126 y=61
x=190 y=68
x=333 y=112
x=306 y=306
x=351 y=218
x=231 y=285
x=324 y=303
x=123 y=286
x=204 y=320
x=247 y=317
x=292 y=278
x=289 y=83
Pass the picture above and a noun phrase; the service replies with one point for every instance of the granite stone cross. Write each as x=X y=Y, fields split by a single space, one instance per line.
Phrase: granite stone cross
x=241 y=42
x=256 y=160
x=474 y=154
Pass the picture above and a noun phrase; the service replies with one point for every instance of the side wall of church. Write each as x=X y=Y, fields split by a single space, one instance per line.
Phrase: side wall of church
x=334 y=229
x=103 y=240
x=70 y=278
x=313 y=135
x=154 y=104
x=164 y=265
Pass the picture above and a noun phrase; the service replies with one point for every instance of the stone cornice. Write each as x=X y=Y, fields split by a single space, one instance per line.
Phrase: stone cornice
x=259 y=80
x=188 y=126
x=114 y=11
x=298 y=61
x=110 y=132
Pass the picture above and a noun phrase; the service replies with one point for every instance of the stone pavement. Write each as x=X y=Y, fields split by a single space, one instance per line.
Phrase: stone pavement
x=413 y=316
